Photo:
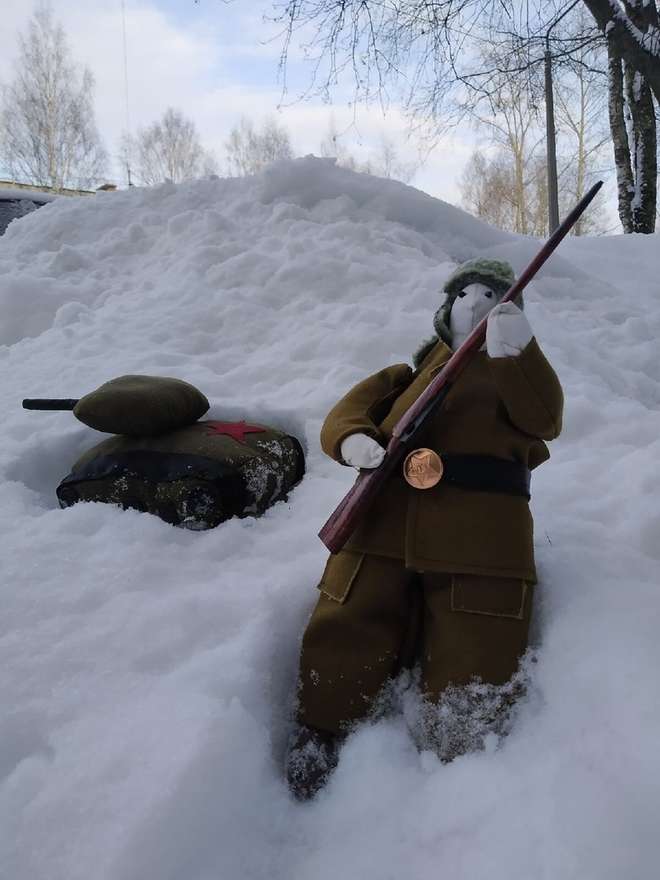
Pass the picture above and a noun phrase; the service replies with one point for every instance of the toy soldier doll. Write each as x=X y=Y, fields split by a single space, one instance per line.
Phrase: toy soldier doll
x=453 y=526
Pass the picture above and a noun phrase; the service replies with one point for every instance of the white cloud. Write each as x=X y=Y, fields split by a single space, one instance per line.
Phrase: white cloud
x=200 y=63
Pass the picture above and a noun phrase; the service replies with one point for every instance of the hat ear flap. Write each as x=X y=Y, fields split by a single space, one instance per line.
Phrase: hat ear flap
x=441 y=319
x=424 y=349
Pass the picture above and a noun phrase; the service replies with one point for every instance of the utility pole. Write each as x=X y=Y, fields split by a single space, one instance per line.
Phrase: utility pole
x=550 y=135
x=551 y=145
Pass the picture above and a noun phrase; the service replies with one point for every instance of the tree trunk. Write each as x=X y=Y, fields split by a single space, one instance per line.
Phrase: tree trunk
x=636 y=31
x=581 y=172
x=521 y=201
x=633 y=48
x=624 y=175
x=643 y=150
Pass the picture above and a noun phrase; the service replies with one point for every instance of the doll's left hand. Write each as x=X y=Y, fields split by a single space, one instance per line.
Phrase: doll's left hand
x=507 y=331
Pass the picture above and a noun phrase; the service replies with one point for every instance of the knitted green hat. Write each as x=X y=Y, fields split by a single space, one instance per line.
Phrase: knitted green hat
x=496 y=274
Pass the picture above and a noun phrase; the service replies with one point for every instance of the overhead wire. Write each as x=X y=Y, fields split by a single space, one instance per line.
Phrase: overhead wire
x=126 y=97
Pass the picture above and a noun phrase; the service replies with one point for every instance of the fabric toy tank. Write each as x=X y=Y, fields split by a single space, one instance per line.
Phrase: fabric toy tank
x=196 y=476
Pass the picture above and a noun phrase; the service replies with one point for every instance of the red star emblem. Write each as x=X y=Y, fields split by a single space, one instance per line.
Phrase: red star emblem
x=235 y=430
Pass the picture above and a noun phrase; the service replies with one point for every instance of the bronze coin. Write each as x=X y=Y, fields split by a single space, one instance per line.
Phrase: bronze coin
x=422 y=468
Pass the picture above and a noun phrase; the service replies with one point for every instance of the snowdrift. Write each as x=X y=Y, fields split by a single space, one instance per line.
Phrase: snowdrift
x=147 y=672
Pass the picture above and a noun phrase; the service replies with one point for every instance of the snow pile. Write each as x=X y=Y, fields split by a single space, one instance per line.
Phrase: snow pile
x=147 y=671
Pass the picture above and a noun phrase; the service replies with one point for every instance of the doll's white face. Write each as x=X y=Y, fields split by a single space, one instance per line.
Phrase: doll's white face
x=471 y=305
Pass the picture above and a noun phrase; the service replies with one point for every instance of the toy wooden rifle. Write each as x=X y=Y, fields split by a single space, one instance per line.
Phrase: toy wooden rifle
x=355 y=504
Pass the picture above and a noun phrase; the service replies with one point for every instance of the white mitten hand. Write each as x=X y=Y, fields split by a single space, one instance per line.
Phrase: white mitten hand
x=507 y=331
x=361 y=451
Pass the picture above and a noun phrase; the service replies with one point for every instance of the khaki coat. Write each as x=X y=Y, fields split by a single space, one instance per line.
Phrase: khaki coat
x=504 y=407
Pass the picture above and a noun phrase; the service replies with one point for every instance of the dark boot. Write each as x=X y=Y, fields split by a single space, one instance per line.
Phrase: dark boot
x=311 y=758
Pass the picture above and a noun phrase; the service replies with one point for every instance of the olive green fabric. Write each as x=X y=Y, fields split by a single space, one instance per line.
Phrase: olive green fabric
x=496 y=274
x=194 y=477
x=472 y=626
x=502 y=407
x=141 y=405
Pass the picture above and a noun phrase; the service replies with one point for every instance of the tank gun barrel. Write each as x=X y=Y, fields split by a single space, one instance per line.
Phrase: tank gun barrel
x=49 y=403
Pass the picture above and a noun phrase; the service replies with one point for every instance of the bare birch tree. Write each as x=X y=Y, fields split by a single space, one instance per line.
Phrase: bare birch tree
x=249 y=150
x=333 y=147
x=385 y=161
x=509 y=115
x=49 y=135
x=634 y=133
x=581 y=107
x=431 y=49
x=490 y=190
x=382 y=161
x=169 y=149
x=509 y=188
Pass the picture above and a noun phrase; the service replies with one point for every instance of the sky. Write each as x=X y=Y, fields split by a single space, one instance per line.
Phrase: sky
x=218 y=61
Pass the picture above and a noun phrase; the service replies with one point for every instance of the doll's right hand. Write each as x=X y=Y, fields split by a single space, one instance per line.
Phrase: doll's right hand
x=360 y=451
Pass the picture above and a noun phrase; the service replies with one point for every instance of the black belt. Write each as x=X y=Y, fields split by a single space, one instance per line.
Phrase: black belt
x=486 y=473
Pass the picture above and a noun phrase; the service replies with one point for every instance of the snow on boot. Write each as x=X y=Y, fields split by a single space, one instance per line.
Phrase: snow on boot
x=311 y=758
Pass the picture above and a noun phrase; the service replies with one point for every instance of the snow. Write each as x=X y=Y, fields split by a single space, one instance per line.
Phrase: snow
x=637 y=199
x=651 y=41
x=647 y=39
x=147 y=672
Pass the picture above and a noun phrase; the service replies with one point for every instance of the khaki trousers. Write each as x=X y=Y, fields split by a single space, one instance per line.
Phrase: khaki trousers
x=374 y=616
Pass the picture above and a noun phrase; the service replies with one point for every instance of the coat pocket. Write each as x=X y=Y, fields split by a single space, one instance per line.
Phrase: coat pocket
x=496 y=596
x=340 y=573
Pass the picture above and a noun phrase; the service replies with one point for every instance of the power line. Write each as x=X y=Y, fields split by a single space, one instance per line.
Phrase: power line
x=128 y=112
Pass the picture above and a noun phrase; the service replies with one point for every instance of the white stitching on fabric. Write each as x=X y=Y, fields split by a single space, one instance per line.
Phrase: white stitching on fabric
x=341 y=599
x=518 y=616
